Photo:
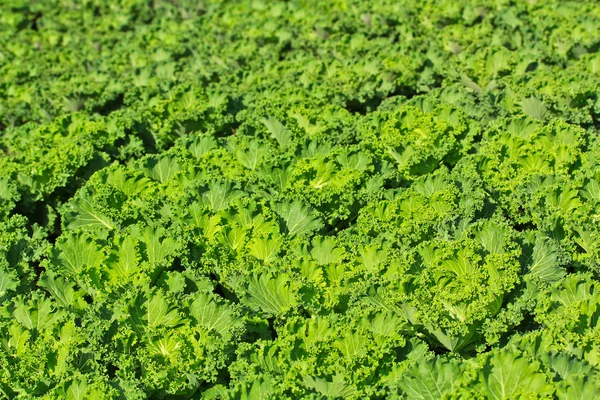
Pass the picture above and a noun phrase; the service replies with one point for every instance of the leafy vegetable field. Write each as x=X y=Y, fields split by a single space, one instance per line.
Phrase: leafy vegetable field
x=299 y=200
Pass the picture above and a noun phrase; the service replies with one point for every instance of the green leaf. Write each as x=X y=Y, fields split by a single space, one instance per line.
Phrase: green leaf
x=82 y=213
x=76 y=254
x=213 y=316
x=127 y=258
x=510 y=376
x=265 y=248
x=251 y=157
x=260 y=389
x=326 y=252
x=162 y=170
x=152 y=313
x=431 y=380
x=160 y=314
x=62 y=291
x=38 y=313
x=158 y=247
x=272 y=296
x=220 y=195
x=163 y=346
x=372 y=257
x=352 y=345
x=77 y=390
x=533 y=107
x=278 y=131
x=544 y=262
x=492 y=237
x=299 y=219
x=567 y=365
x=18 y=338
x=336 y=388
x=469 y=83
x=202 y=146
x=579 y=387
x=8 y=281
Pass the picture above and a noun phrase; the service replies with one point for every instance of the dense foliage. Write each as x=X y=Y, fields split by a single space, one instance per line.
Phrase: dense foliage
x=302 y=199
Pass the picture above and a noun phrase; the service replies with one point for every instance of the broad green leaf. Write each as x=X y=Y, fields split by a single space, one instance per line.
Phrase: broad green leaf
x=158 y=247
x=127 y=258
x=272 y=296
x=544 y=262
x=76 y=254
x=163 y=346
x=580 y=387
x=574 y=289
x=455 y=342
x=533 y=107
x=152 y=313
x=431 y=379
x=469 y=83
x=62 y=290
x=299 y=219
x=220 y=195
x=160 y=313
x=162 y=170
x=492 y=237
x=251 y=157
x=38 y=313
x=567 y=365
x=336 y=388
x=278 y=131
x=8 y=281
x=259 y=389
x=372 y=257
x=234 y=237
x=385 y=324
x=265 y=248
x=352 y=345
x=18 y=338
x=78 y=390
x=202 y=145
x=82 y=213
x=509 y=376
x=213 y=316
x=326 y=252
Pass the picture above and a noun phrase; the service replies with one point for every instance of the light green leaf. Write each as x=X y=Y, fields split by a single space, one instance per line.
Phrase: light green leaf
x=76 y=254
x=544 y=262
x=299 y=219
x=162 y=170
x=336 y=388
x=220 y=195
x=579 y=387
x=510 y=376
x=326 y=252
x=160 y=314
x=158 y=247
x=202 y=145
x=278 y=131
x=533 y=107
x=127 y=258
x=62 y=290
x=352 y=345
x=265 y=248
x=431 y=379
x=8 y=281
x=37 y=314
x=82 y=213
x=251 y=157
x=77 y=390
x=272 y=296
x=213 y=316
